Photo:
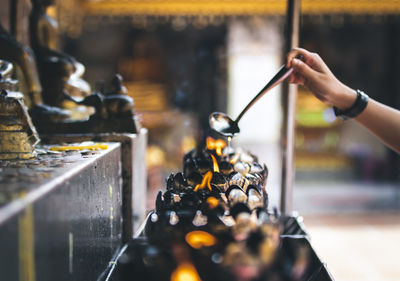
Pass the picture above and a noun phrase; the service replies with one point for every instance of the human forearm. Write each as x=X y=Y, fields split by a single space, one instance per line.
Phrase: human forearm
x=383 y=121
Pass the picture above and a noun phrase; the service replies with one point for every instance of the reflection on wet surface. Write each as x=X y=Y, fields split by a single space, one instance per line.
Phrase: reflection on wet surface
x=19 y=176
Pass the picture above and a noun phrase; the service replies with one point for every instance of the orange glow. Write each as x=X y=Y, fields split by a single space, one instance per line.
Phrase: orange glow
x=234 y=159
x=205 y=182
x=215 y=164
x=198 y=239
x=216 y=145
x=185 y=272
x=212 y=202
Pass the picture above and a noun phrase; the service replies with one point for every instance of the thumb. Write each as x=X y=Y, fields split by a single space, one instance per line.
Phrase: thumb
x=303 y=69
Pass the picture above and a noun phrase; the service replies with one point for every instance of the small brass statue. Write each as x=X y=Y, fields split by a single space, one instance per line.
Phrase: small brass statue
x=113 y=110
x=114 y=104
x=17 y=134
x=58 y=71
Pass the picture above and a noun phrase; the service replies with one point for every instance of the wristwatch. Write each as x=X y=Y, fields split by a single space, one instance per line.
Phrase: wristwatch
x=358 y=106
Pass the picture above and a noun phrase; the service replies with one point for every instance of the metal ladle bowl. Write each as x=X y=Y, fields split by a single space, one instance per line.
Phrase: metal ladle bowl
x=224 y=125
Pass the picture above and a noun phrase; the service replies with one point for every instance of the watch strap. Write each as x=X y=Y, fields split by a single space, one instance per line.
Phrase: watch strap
x=358 y=106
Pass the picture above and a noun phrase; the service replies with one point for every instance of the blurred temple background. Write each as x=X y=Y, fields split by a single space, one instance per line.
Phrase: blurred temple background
x=182 y=60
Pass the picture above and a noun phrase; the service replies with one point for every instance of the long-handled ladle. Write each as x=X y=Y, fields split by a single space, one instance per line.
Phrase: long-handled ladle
x=222 y=124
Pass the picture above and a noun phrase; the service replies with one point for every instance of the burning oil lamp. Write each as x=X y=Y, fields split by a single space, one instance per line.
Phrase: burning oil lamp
x=206 y=182
x=218 y=179
x=238 y=171
x=214 y=182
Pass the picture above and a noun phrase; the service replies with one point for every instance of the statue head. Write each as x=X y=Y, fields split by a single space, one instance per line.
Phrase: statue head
x=118 y=87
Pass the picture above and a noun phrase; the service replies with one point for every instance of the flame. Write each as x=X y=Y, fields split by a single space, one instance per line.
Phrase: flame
x=212 y=202
x=205 y=182
x=216 y=145
x=185 y=272
x=234 y=159
x=215 y=164
x=198 y=239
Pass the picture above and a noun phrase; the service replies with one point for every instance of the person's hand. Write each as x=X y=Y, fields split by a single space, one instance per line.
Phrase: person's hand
x=313 y=73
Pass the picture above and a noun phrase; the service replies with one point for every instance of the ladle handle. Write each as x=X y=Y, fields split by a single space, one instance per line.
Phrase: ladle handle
x=282 y=74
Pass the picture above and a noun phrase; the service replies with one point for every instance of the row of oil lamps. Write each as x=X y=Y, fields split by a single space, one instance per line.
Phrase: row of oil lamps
x=211 y=223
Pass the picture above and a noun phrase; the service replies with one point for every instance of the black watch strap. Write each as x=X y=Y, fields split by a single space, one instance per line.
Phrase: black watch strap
x=358 y=106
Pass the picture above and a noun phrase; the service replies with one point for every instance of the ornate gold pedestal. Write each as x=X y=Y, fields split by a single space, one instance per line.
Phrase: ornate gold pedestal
x=17 y=134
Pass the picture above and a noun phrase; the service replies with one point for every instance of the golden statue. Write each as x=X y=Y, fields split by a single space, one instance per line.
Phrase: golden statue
x=19 y=55
x=58 y=71
x=23 y=58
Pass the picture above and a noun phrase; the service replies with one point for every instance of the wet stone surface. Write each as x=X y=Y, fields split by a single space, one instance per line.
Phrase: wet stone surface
x=20 y=176
x=61 y=210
